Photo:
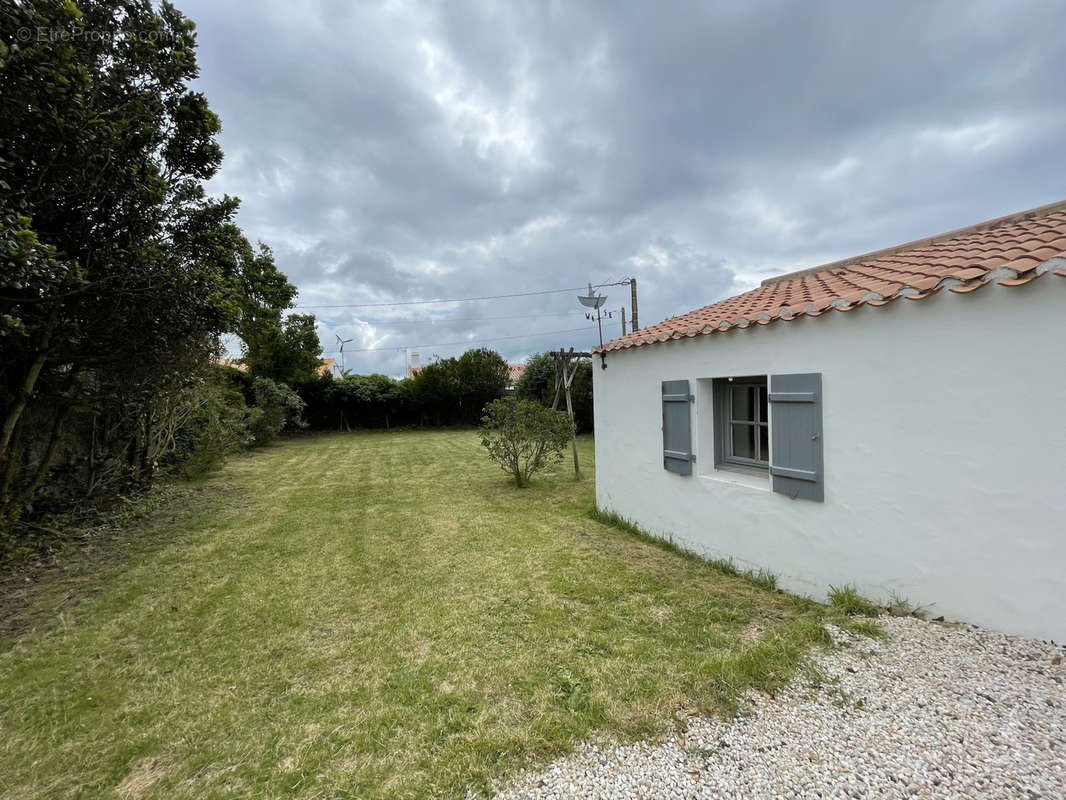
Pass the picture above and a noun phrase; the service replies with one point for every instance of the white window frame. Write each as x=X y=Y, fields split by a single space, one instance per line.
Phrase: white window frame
x=722 y=409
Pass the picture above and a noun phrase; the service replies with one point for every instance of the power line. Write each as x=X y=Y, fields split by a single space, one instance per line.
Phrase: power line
x=462 y=299
x=447 y=320
x=454 y=300
x=465 y=341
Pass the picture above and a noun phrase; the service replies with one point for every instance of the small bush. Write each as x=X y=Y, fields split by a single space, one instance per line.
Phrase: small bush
x=280 y=409
x=848 y=600
x=523 y=437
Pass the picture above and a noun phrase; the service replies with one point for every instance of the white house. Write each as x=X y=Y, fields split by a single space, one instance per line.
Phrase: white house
x=895 y=420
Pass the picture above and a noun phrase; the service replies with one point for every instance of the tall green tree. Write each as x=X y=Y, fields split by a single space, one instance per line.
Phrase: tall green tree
x=481 y=376
x=538 y=383
x=118 y=271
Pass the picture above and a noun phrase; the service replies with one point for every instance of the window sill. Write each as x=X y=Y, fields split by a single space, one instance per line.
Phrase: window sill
x=738 y=476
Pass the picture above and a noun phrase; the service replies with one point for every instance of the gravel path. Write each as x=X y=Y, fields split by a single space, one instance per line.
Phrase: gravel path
x=934 y=711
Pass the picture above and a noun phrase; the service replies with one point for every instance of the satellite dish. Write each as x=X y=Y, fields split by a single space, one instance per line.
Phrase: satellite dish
x=592 y=300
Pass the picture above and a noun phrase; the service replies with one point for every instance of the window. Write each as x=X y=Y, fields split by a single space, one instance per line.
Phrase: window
x=742 y=422
x=733 y=423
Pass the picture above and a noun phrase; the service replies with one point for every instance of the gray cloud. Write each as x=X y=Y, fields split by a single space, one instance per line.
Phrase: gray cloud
x=401 y=151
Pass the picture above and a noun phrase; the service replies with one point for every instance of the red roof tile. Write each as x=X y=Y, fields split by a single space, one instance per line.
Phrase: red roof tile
x=515 y=372
x=1009 y=251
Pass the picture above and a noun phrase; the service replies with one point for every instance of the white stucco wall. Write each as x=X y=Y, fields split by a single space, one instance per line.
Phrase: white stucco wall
x=944 y=442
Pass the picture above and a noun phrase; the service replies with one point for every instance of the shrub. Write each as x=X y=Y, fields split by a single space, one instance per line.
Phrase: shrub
x=523 y=436
x=208 y=422
x=280 y=409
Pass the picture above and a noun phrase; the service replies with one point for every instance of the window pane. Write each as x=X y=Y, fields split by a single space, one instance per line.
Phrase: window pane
x=764 y=415
x=743 y=402
x=743 y=441
x=764 y=443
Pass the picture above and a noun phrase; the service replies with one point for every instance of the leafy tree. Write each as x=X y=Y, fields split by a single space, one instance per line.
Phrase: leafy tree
x=538 y=379
x=285 y=350
x=538 y=383
x=523 y=437
x=279 y=407
x=481 y=376
x=455 y=390
x=291 y=353
x=118 y=272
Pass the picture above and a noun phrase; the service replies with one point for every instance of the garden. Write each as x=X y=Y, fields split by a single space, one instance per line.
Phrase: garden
x=368 y=614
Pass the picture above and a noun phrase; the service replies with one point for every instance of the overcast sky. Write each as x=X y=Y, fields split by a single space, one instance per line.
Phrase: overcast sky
x=402 y=151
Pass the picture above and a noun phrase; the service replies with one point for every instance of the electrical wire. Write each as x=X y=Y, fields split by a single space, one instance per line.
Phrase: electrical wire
x=446 y=320
x=463 y=299
x=463 y=342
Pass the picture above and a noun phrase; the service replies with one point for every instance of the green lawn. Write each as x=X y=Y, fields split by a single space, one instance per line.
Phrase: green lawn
x=370 y=615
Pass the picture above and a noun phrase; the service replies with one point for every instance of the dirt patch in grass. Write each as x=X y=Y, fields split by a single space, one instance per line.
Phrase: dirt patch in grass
x=66 y=571
x=145 y=772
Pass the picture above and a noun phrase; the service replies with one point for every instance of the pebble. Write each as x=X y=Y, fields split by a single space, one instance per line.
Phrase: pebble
x=932 y=711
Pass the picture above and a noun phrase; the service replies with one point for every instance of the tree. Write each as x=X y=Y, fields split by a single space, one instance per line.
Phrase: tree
x=119 y=273
x=538 y=383
x=284 y=350
x=480 y=376
x=523 y=437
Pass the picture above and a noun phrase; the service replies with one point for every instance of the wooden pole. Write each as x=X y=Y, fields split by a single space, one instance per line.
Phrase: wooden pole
x=623 y=320
x=567 y=380
x=558 y=358
x=634 y=325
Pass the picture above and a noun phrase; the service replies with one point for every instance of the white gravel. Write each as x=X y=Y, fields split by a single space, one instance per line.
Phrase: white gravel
x=935 y=711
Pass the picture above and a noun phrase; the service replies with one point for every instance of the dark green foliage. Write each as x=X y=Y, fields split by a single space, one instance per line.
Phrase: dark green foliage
x=538 y=383
x=451 y=391
x=523 y=437
x=117 y=272
x=217 y=423
x=455 y=390
x=280 y=409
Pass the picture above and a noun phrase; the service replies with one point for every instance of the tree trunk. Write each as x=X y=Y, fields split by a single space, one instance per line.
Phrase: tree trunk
x=24 y=394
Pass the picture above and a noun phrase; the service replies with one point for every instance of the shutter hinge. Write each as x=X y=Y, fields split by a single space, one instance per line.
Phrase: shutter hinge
x=692 y=398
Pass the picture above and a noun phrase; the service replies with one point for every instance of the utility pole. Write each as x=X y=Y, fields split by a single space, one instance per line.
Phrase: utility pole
x=623 y=310
x=566 y=364
x=634 y=325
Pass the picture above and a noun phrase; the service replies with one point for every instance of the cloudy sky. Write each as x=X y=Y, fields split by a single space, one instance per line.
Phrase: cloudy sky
x=407 y=151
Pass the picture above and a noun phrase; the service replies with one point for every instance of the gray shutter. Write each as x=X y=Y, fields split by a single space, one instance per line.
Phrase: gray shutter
x=796 y=436
x=677 y=427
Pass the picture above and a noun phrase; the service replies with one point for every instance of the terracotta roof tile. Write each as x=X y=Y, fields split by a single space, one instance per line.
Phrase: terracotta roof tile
x=1010 y=251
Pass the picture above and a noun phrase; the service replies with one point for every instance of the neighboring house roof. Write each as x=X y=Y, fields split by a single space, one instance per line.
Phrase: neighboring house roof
x=231 y=362
x=321 y=369
x=1010 y=251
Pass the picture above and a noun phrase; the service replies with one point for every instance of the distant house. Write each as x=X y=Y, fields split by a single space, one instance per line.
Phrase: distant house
x=415 y=366
x=325 y=364
x=895 y=420
x=514 y=374
x=232 y=362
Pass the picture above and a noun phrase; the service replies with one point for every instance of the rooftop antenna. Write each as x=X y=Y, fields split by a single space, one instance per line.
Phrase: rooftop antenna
x=593 y=300
x=342 y=343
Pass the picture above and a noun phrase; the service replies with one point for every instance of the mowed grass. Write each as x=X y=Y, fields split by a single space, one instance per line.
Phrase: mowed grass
x=374 y=615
